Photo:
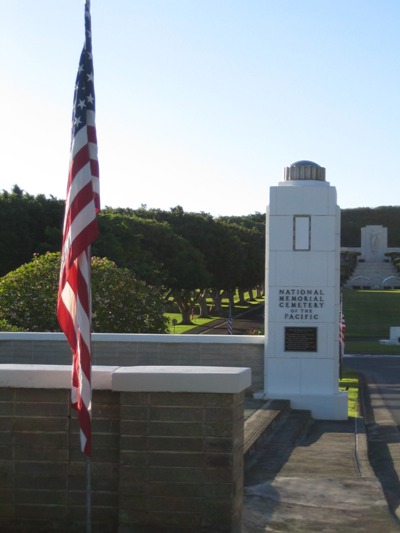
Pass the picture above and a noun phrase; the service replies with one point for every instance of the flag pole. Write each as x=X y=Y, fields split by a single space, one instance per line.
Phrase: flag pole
x=230 y=324
x=89 y=253
x=88 y=496
x=88 y=461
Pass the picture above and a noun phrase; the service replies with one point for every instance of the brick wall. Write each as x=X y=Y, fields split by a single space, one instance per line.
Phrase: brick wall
x=181 y=463
x=162 y=461
x=42 y=470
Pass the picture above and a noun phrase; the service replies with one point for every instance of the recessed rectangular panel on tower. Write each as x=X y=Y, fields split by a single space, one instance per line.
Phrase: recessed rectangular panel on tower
x=302 y=233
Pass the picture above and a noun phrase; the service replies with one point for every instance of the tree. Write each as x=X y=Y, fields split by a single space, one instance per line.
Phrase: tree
x=253 y=250
x=221 y=249
x=121 y=303
x=155 y=253
x=28 y=225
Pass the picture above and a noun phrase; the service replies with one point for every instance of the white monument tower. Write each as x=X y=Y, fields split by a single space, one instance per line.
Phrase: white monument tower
x=303 y=293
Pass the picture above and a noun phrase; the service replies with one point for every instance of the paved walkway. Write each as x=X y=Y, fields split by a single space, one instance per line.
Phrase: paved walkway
x=322 y=483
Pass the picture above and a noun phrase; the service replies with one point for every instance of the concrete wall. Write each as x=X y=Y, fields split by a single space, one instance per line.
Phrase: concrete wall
x=167 y=450
x=136 y=349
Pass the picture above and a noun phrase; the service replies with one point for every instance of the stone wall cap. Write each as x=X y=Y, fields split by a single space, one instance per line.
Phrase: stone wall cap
x=206 y=379
x=33 y=376
x=18 y=336
x=134 y=379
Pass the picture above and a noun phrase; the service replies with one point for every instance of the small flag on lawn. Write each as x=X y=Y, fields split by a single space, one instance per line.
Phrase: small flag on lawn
x=230 y=322
x=342 y=328
x=80 y=230
x=342 y=331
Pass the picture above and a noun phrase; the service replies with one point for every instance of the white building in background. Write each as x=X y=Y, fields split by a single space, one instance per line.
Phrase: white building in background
x=374 y=244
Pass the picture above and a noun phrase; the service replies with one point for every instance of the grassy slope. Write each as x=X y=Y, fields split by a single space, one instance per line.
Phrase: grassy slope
x=369 y=316
x=178 y=328
x=349 y=383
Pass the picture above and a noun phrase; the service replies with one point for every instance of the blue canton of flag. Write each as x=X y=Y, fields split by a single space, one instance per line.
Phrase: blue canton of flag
x=84 y=86
x=83 y=113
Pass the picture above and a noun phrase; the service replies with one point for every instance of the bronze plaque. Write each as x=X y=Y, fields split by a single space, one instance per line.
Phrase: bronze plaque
x=299 y=339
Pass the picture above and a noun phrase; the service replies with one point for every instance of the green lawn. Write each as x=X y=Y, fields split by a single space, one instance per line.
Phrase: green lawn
x=358 y=346
x=371 y=313
x=178 y=328
x=349 y=383
x=369 y=316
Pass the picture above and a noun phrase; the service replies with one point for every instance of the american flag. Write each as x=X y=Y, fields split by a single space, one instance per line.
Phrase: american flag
x=80 y=230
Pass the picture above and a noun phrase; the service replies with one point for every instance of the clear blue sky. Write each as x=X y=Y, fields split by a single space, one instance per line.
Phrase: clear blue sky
x=201 y=103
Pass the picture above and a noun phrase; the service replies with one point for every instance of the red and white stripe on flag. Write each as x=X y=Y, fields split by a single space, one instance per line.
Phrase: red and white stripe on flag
x=79 y=231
